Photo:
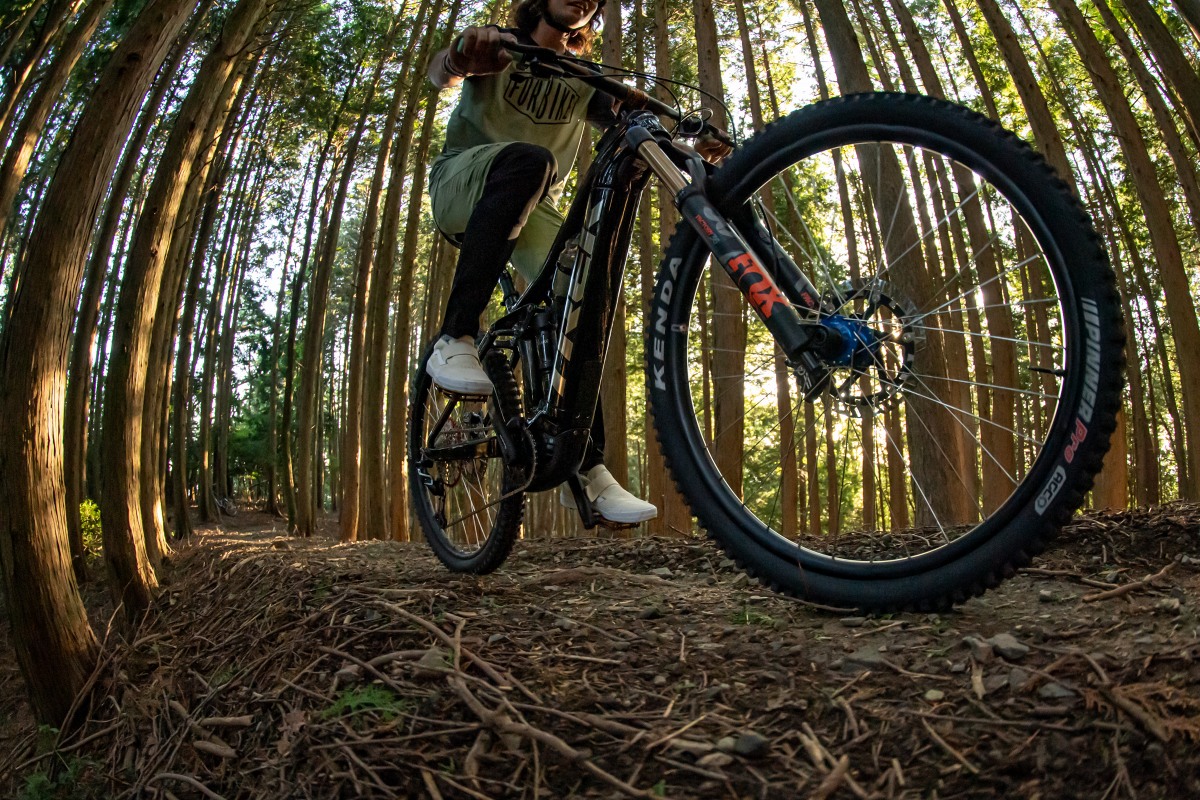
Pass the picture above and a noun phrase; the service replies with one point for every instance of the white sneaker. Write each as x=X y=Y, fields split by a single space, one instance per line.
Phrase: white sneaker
x=454 y=366
x=611 y=500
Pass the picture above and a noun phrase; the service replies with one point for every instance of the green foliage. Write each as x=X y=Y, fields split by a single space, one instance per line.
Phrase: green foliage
x=72 y=779
x=89 y=520
x=368 y=698
x=750 y=616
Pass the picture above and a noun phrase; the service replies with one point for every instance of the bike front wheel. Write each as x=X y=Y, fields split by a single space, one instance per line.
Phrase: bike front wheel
x=965 y=417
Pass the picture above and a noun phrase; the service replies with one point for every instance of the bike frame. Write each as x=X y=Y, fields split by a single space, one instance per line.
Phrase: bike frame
x=562 y=341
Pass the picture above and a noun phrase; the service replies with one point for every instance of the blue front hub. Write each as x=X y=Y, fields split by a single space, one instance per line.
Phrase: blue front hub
x=858 y=343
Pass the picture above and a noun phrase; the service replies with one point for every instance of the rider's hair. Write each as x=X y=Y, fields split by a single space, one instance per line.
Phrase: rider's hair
x=527 y=13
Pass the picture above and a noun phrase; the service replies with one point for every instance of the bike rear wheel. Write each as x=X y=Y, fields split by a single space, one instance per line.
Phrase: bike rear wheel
x=970 y=409
x=469 y=504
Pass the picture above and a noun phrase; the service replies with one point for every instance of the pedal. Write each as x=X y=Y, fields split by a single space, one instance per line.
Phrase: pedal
x=616 y=526
x=461 y=396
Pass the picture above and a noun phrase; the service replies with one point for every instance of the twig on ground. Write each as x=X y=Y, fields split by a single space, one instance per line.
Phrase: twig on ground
x=959 y=757
x=1146 y=582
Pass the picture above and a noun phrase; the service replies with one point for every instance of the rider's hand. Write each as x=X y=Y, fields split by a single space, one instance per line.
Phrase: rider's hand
x=478 y=51
x=712 y=149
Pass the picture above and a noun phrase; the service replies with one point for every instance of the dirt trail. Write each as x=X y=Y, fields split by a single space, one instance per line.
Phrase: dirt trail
x=273 y=667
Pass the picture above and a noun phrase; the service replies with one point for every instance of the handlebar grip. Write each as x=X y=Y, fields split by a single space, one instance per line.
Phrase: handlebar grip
x=720 y=135
x=609 y=85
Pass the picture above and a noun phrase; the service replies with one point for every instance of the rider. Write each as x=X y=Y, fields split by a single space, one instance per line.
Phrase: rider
x=509 y=146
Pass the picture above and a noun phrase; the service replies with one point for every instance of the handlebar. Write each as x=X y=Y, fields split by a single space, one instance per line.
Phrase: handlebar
x=634 y=98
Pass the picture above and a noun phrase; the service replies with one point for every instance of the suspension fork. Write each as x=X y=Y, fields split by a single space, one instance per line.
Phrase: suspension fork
x=798 y=337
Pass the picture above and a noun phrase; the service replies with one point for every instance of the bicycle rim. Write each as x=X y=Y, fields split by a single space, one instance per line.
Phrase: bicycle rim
x=917 y=441
x=464 y=503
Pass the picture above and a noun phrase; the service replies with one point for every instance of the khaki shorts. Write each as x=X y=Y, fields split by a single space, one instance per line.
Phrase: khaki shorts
x=455 y=186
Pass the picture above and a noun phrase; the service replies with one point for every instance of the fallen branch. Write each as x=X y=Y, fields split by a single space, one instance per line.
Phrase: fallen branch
x=959 y=757
x=502 y=724
x=189 y=780
x=1129 y=587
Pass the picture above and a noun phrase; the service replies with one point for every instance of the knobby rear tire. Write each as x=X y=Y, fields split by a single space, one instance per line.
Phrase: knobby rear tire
x=476 y=543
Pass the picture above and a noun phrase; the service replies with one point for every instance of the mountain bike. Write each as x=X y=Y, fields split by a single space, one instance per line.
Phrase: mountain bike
x=909 y=395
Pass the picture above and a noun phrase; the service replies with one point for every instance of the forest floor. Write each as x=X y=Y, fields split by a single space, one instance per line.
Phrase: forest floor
x=277 y=667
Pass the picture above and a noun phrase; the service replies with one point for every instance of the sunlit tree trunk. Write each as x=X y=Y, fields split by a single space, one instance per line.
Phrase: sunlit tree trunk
x=121 y=437
x=400 y=361
x=29 y=130
x=57 y=14
x=54 y=643
x=1190 y=11
x=351 y=450
x=78 y=411
x=1181 y=308
x=402 y=342
x=929 y=468
x=307 y=445
x=375 y=505
x=1182 y=78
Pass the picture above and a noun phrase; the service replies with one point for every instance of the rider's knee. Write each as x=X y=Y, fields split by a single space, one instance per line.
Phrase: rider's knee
x=525 y=165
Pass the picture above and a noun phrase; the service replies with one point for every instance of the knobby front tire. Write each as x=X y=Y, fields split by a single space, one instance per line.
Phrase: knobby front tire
x=932 y=464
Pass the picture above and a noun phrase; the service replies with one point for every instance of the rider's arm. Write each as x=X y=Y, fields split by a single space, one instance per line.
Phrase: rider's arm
x=475 y=51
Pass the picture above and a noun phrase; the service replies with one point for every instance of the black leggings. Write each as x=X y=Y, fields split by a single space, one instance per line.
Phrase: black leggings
x=518 y=180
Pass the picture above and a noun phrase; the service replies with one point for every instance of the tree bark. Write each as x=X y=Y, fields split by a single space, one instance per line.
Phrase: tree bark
x=375 y=505
x=398 y=375
x=907 y=269
x=29 y=130
x=351 y=444
x=57 y=14
x=1180 y=73
x=1180 y=307
x=1045 y=131
x=1190 y=11
x=55 y=645
x=124 y=407
x=75 y=438
x=314 y=332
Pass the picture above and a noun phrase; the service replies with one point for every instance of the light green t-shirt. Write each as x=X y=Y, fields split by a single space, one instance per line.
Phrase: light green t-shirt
x=551 y=112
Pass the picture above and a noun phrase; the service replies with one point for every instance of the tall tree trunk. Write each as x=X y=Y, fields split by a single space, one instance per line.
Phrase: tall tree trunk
x=15 y=30
x=273 y=382
x=1037 y=110
x=75 y=438
x=290 y=489
x=1181 y=75
x=729 y=327
x=20 y=149
x=55 y=646
x=1190 y=11
x=351 y=450
x=314 y=333
x=57 y=14
x=401 y=344
x=907 y=269
x=374 y=502
x=1180 y=307
x=121 y=436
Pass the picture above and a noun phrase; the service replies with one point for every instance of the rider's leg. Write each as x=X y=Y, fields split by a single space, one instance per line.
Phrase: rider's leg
x=517 y=179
